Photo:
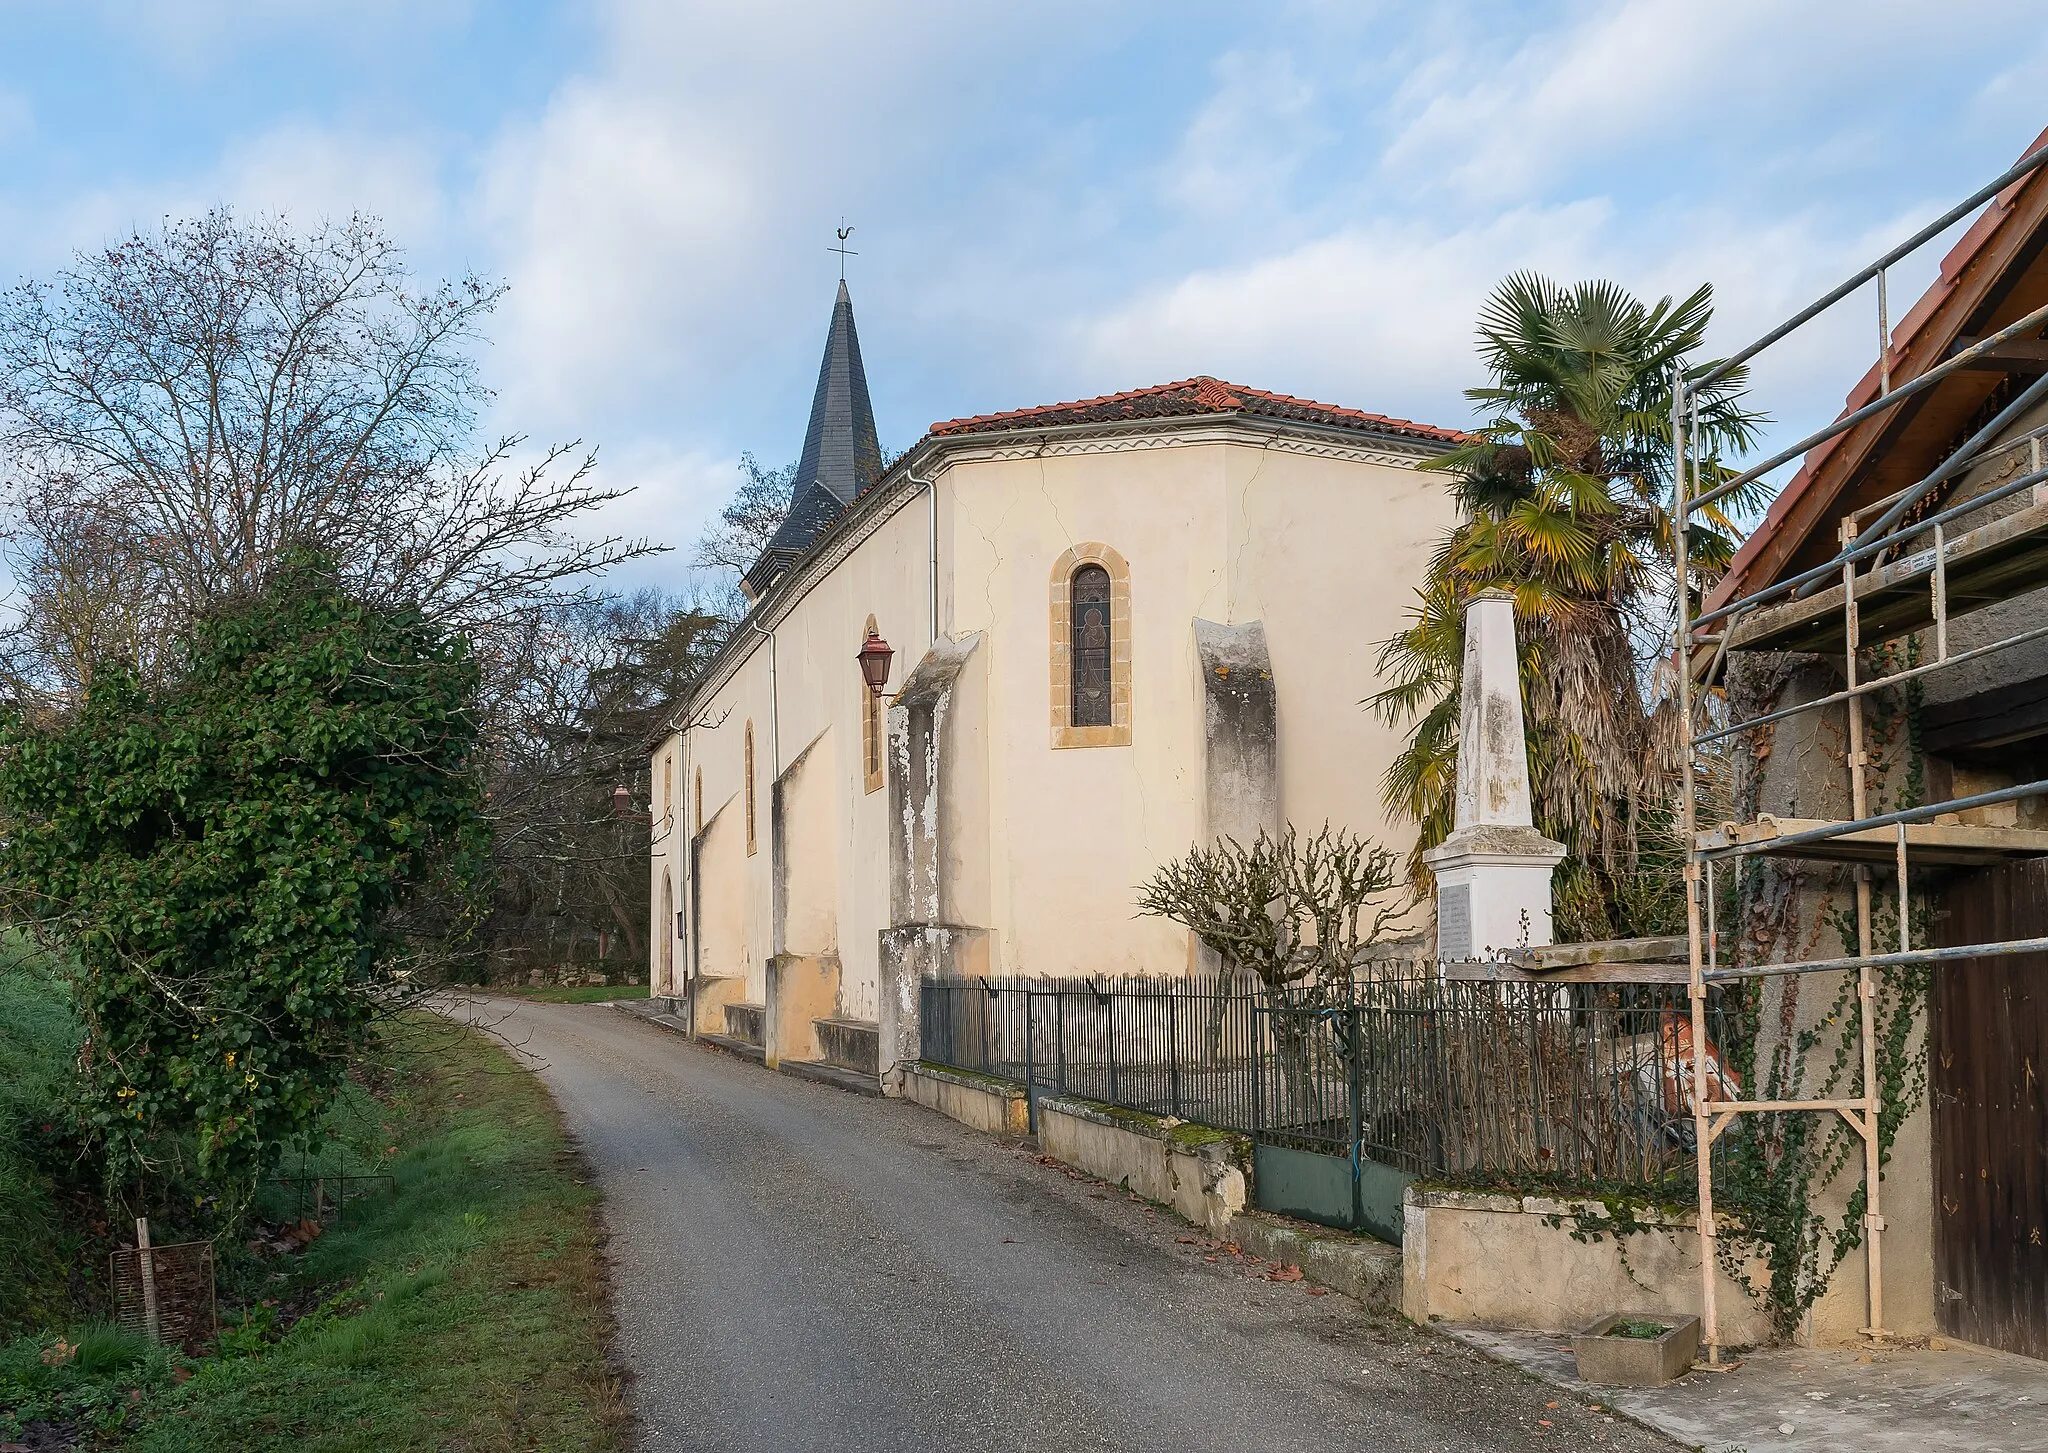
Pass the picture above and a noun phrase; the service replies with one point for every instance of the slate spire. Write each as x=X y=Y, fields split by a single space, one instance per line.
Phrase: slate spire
x=842 y=455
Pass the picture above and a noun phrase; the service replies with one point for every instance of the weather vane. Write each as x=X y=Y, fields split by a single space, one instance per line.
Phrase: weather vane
x=843 y=231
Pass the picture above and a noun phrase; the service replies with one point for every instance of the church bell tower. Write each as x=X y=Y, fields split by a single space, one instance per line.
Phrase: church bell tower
x=842 y=456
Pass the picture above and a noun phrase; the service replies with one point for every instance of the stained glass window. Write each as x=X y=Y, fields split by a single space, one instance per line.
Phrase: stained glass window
x=1090 y=597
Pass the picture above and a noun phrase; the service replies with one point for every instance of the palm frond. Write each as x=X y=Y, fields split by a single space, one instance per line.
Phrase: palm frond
x=1565 y=490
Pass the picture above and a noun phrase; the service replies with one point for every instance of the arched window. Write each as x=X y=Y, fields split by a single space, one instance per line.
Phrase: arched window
x=1089 y=668
x=666 y=928
x=668 y=791
x=1091 y=648
x=750 y=789
x=874 y=732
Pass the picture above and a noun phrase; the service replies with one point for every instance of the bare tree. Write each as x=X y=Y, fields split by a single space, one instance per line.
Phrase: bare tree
x=180 y=408
x=750 y=519
x=1298 y=914
x=732 y=544
x=593 y=688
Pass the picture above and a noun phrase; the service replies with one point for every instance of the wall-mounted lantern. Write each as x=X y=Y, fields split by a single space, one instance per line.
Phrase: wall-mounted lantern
x=874 y=658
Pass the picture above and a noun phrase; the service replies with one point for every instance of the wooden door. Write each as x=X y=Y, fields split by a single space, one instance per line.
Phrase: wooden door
x=1987 y=1058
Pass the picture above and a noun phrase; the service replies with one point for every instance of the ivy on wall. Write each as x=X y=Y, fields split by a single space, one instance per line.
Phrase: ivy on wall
x=1772 y=1168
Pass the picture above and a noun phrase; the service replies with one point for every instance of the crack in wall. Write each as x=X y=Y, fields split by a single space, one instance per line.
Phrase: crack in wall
x=988 y=578
x=1244 y=511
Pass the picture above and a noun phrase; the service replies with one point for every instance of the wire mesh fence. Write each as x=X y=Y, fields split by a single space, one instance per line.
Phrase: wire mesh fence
x=323 y=1196
x=165 y=1293
x=1583 y=1084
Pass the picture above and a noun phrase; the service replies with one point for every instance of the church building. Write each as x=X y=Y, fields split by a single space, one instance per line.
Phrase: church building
x=1104 y=632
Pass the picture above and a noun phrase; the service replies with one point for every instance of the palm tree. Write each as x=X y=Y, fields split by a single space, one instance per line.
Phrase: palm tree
x=1566 y=499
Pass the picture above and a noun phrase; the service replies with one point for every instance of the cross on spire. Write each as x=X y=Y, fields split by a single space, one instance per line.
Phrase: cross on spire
x=843 y=232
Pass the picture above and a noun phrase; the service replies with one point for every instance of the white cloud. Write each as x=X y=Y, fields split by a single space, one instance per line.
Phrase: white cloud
x=1735 y=87
x=1561 y=92
x=1381 y=317
x=1243 y=146
x=310 y=174
x=625 y=231
x=653 y=218
x=674 y=490
x=1056 y=203
x=1376 y=317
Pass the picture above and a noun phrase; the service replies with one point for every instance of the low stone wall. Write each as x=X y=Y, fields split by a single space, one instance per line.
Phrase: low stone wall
x=852 y=1044
x=1199 y=1172
x=1358 y=1266
x=1498 y=1260
x=748 y=1023
x=994 y=1107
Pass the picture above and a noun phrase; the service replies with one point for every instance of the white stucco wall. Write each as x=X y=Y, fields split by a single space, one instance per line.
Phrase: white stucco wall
x=1326 y=551
x=836 y=826
x=1048 y=845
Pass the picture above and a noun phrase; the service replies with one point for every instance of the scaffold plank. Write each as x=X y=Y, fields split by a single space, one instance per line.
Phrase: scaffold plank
x=1929 y=844
x=1487 y=971
x=1996 y=561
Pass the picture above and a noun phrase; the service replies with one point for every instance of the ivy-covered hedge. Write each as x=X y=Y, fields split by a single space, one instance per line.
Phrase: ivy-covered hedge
x=220 y=855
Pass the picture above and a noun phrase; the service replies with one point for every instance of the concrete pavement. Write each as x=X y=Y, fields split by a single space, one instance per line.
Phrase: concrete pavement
x=1903 y=1399
x=799 y=1268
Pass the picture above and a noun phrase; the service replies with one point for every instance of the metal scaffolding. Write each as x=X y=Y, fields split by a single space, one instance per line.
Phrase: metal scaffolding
x=1875 y=588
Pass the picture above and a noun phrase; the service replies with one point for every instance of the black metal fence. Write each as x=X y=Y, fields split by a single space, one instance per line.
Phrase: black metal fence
x=1477 y=1082
x=1181 y=1047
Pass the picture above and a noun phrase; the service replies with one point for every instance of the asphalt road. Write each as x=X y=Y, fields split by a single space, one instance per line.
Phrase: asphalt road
x=799 y=1268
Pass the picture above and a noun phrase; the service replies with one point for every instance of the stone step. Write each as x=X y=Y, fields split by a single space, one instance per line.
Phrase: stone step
x=740 y=1047
x=855 y=1081
x=1355 y=1264
x=851 y=1044
x=747 y=1022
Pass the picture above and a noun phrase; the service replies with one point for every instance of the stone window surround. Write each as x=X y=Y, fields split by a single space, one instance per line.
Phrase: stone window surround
x=1061 y=586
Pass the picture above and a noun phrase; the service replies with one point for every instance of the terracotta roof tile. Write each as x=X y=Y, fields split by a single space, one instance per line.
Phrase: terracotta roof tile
x=1763 y=557
x=1191 y=397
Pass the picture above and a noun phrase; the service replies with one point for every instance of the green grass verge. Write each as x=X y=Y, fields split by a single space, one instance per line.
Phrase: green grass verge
x=466 y=1309
x=47 y=1251
x=573 y=994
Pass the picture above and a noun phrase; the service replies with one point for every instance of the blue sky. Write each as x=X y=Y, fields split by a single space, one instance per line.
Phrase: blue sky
x=1050 y=201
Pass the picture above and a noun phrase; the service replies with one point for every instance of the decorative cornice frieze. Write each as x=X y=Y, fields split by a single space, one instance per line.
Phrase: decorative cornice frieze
x=1377 y=452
